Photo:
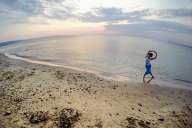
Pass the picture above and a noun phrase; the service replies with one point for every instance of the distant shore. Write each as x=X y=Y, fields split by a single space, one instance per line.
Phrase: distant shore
x=35 y=95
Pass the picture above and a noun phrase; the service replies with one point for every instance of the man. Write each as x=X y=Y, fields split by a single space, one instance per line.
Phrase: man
x=151 y=55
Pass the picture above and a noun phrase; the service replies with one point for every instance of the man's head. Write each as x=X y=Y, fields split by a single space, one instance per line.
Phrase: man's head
x=150 y=55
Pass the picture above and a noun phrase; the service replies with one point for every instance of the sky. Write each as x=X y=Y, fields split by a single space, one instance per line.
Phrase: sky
x=159 y=19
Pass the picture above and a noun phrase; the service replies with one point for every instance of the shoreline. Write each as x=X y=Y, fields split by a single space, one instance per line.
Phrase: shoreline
x=61 y=66
x=34 y=95
x=169 y=83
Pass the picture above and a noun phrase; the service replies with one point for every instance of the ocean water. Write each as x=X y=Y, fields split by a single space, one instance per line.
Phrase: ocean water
x=110 y=56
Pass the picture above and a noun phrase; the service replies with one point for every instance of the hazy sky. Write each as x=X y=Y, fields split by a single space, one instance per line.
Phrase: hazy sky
x=32 y=18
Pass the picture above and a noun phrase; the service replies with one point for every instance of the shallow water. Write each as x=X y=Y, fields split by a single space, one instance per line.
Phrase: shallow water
x=111 y=56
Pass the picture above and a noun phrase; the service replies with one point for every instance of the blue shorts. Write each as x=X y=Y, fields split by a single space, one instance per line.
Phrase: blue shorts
x=148 y=70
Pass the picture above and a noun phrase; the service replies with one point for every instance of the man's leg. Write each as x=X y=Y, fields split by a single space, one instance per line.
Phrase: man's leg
x=152 y=76
x=144 y=78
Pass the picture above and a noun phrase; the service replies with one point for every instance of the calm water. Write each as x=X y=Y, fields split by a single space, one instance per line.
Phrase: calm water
x=111 y=56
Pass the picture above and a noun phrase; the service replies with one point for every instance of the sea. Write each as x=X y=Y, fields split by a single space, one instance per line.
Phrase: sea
x=116 y=57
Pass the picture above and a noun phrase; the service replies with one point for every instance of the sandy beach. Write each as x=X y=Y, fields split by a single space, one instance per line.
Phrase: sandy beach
x=40 y=96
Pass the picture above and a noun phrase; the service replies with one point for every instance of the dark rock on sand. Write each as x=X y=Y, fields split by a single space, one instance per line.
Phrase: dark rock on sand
x=18 y=99
x=161 y=119
x=135 y=123
x=67 y=118
x=59 y=74
x=140 y=104
x=144 y=124
x=7 y=75
x=115 y=87
x=99 y=124
x=131 y=122
x=7 y=113
x=38 y=117
x=184 y=117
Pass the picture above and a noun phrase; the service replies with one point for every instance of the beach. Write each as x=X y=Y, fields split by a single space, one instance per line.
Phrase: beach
x=41 y=96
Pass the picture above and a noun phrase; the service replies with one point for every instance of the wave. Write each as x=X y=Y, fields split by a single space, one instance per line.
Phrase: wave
x=47 y=62
x=2 y=44
x=182 y=80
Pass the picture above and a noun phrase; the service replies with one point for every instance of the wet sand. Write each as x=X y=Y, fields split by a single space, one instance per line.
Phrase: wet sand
x=40 y=96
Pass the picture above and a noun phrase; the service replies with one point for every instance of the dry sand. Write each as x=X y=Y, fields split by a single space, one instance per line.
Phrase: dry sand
x=39 y=96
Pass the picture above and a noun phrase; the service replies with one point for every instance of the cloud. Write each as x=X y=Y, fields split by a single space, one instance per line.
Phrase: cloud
x=29 y=7
x=58 y=9
x=109 y=15
x=117 y=14
x=150 y=26
x=168 y=13
x=19 y=11
x=159 y=30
